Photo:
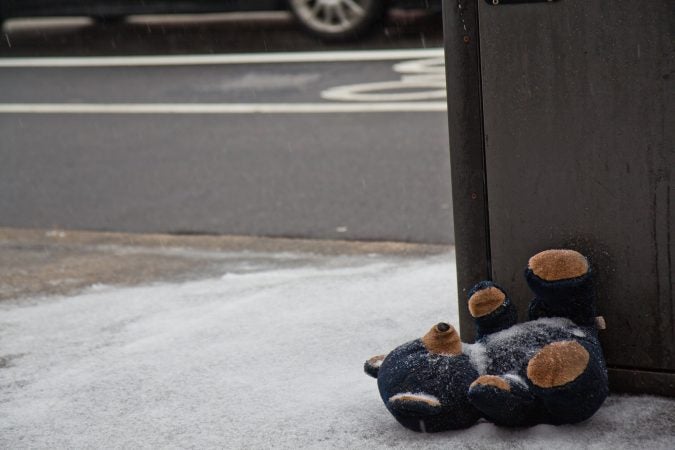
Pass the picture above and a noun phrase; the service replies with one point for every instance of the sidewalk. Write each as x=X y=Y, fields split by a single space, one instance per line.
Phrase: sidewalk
x=126 y=341
x=49 y=262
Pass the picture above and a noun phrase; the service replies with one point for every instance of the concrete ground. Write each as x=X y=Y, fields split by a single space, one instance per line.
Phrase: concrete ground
x=55 y=262
x=154 y=341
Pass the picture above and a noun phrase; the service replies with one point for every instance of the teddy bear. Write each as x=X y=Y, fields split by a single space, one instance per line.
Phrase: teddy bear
x=549 y=369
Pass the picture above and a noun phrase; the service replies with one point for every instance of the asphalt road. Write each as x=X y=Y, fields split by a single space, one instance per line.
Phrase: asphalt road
x=251 y=147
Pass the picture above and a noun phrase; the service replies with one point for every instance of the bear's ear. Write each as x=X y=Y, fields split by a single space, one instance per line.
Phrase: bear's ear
x=372 y=366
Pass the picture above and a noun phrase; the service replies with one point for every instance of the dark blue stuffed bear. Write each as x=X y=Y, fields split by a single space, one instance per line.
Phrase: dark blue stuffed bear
x=547 y=370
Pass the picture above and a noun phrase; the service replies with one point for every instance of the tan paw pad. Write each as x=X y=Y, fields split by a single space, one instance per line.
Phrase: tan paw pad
x=492 y=380
x=485 y=301
x=554 y=265
x=417 y=397
x=557 y=364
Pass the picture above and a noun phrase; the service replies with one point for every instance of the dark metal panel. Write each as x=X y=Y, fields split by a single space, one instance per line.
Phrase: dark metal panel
x=460 y=21
x=640 y=381
x=579 y=153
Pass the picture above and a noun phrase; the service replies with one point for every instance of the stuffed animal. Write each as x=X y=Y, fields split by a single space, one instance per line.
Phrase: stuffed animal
x=547 y=370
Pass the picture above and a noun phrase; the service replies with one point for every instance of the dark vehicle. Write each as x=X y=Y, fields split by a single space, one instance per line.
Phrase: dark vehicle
x=327 y=19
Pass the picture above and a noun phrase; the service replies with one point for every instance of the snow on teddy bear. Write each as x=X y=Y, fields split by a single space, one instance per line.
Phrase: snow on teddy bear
x=547 y=370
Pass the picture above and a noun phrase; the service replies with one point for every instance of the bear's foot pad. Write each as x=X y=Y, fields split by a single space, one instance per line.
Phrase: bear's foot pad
x=486 y=300
x=419 y=397
x=491 y=380
x=555 y=265
x=557 y=364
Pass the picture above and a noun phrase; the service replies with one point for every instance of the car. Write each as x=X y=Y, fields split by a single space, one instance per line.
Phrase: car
x=331 y=20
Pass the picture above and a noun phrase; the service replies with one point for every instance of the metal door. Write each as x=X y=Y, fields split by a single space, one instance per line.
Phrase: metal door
x=576 y=150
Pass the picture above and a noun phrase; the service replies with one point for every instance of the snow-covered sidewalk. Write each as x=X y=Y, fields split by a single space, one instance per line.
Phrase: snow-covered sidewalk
x=268 y=354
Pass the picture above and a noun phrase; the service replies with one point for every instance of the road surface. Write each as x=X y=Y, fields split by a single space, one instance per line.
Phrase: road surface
x=271 y=144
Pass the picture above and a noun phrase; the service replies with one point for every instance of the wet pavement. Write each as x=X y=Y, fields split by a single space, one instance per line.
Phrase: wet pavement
x=59 y=262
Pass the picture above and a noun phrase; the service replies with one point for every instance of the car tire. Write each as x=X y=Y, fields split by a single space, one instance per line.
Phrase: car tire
x=337 y=20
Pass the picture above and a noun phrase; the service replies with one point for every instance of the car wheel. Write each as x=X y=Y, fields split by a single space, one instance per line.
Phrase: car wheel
x=337 y=20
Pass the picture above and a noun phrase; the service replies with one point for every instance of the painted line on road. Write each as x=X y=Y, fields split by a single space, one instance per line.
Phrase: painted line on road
x=218 y=108
x=243 y=58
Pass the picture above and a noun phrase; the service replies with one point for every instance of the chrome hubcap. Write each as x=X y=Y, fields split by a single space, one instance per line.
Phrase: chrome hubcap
x=331 y=15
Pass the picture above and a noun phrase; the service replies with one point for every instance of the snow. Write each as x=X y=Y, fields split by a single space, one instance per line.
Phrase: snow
x=478 y=356
x=577 y=332
x=268 y=357
x=541 y=324
x=516 y=379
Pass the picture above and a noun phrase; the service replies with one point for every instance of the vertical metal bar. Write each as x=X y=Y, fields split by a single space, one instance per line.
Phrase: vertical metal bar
x=467 y=150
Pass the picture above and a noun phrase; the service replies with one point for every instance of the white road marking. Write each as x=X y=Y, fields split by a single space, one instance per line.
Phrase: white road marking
x=423 y=79
x=218 y=108
x=435 y=66
x=244 y=58
x=371 y=92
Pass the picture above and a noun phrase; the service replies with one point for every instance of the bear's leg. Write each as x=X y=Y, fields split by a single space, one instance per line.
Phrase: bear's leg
x=504 y=400
x=490 y=308
x=562 y=283
x=570 y=380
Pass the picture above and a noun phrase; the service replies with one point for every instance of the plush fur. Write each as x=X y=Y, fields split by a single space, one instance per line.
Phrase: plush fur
x=548 y=370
